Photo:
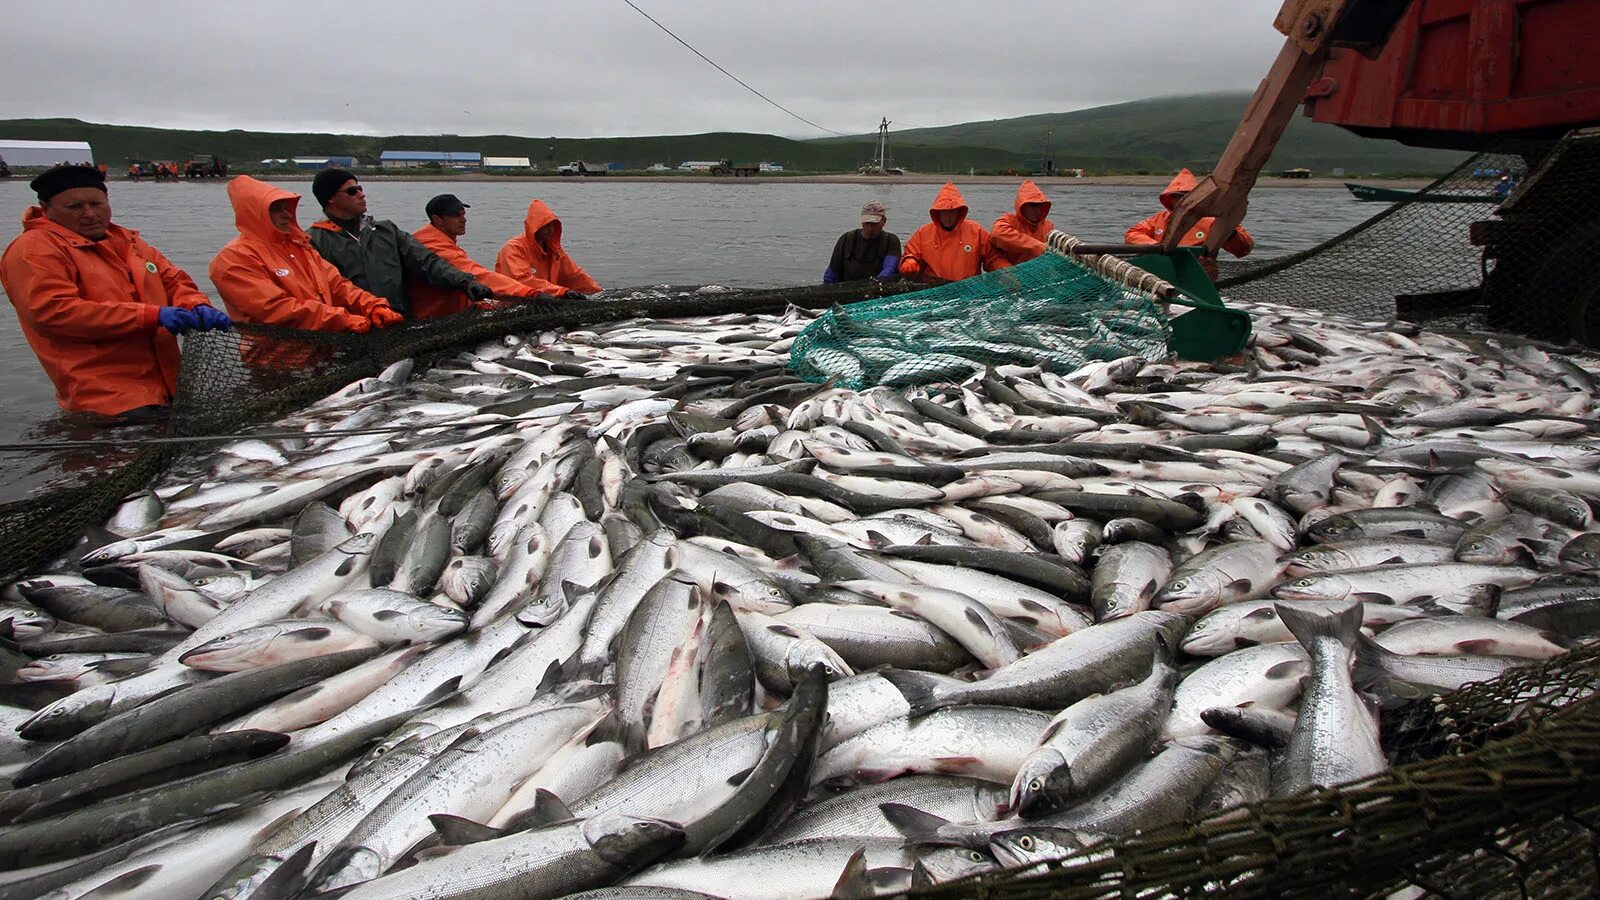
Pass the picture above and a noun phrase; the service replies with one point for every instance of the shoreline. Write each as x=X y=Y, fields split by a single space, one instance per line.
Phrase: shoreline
x=1158 y=181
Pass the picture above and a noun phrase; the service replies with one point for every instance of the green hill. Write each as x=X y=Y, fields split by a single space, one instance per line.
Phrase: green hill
x=1157 y=135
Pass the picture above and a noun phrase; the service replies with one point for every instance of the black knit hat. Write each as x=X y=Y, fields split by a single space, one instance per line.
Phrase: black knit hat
x=65 y=178
x=327 y=183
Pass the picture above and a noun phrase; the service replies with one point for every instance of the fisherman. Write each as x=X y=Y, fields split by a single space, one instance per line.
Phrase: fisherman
x=447 y=221
x=98 y=305
x=375 y=253
x=1020 y=235
x=1151 y=230
x=950 y=247
x=536 y=259
x=865 y=252
x=270 y=274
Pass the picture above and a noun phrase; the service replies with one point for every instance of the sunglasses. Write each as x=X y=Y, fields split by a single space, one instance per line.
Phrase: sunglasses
x=352 y=191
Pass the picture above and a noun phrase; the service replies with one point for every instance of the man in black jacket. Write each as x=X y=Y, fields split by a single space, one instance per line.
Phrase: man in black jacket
x=376 y=254
x=865 y=252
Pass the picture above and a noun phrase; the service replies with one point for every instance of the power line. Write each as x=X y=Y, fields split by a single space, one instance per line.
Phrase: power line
x=730 y=74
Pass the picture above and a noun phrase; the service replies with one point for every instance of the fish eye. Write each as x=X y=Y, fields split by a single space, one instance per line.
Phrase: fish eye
x=1177 y=585
x=975 y=856
x=1025 y=842
x=1036 y=785
x=1304 y=582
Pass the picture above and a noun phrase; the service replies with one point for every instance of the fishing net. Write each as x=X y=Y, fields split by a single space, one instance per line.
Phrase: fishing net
x=1495 y=790
x=1457 y=254
x=1052 y=311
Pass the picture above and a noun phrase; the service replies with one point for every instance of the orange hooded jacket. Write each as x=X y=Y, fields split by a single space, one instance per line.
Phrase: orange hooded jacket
x=1017 y=239
x=269 y=277
x=1151 y=230
x=89 y=310
x=934 y=254
x=429 y=302
x=548 y=270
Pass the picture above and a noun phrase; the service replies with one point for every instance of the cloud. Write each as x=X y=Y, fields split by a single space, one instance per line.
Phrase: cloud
x=601 y=69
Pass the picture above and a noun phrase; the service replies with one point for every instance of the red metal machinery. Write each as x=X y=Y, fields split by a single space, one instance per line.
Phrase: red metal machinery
x=1461 y=74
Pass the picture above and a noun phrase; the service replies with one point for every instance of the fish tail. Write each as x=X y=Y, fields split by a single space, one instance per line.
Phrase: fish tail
x=1309 y=625
x=923 y=692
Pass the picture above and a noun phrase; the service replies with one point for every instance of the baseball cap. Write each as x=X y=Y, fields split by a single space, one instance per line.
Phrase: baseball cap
x=445 y=205
x=874 y=212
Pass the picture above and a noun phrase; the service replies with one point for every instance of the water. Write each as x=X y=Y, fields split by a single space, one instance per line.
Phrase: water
x=737 y=233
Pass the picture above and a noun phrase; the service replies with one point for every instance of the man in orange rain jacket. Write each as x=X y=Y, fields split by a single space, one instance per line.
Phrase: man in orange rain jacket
x=1020 y=235
x=536 y=259
x=447 y=221
x=949 y=248
x=1151 y=230
x=98 y=305
x=270 y=274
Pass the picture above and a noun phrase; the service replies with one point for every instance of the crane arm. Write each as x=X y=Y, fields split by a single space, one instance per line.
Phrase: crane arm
x=1313 y=28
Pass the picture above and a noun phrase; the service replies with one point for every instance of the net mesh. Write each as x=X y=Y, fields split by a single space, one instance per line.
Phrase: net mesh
x=1496 y=789
x=1051 y=311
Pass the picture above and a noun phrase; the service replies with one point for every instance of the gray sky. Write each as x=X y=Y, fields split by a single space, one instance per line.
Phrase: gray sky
x=591 y=68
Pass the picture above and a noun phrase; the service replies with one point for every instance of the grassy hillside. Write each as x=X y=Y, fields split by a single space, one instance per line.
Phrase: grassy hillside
x=1155 y=135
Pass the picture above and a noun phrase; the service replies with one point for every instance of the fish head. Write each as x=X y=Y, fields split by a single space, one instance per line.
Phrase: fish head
x=1335 y=528
x=1192 y=595
x=1027 y=846
x=631 y=841
x=1316 y=586
x=1042 y=785
x=222 y=587
x=56 y=667
x=349 y=867
x=807 y=654
x=27 y=622
x=233 y=652
x=69 y=715
x=944 y=863
x=1313 y=559
x=434 y=623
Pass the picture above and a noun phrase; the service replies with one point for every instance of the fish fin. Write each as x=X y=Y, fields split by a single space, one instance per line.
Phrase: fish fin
x=98 y=537
x=444 y=691
x=1307 y=625
x=547 y=809
x=853 y=883
x=456 y=830
x=974 y=618
x=128 y=881
x=1374 y=597
x=911 y=822
x=288 y=879
x=1242 y=585
x=920 y=689
x=921 y=879
x=1371 y=673
x=1289 y=667
x=954 y=765
x=738 y=778
x=120 y=667
x=1478 y=646
x=788 y=631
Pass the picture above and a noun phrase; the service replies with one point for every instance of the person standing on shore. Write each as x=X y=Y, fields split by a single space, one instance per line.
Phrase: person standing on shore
x=536 y=259
x=1020 y=235
x=1151 y=230
x=950 y=247
x=375 y=253
x=865 y=252
x=447 y=221
x=99 y=306
x=270 y=274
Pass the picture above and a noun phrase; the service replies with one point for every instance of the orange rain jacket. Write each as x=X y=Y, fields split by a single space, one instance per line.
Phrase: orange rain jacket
x=1017 y=239
x=549 y=270
x=1151 y=230
x=428 y=302
x=89 y=311
x=272 y=278
x=962 y=252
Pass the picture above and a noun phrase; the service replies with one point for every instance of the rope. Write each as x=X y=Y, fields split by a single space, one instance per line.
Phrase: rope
x=1111 y=268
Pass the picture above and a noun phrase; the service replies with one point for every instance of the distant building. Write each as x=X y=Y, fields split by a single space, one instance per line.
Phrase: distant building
x=44 y=153
x=412 y=159
x=771 y=167
x=317 y=163
x=507 y=162
x=660 y=167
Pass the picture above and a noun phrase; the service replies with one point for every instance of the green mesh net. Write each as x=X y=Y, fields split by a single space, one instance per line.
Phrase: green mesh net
x=1050 y=311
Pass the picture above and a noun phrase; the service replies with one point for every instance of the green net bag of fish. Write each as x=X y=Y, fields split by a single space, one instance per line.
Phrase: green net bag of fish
x=1049 y=312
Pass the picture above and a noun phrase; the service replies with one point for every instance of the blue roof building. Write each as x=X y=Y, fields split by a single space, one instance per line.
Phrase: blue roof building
x=411 y=159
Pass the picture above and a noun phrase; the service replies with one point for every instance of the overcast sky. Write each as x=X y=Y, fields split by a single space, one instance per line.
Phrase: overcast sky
x=593 y=68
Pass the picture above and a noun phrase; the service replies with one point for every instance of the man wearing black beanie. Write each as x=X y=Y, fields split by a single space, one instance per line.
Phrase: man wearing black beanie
x=98 y=305
x=375 y=253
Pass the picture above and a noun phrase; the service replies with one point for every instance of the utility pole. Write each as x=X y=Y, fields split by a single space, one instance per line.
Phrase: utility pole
x=883 y=146
x=1049 y=160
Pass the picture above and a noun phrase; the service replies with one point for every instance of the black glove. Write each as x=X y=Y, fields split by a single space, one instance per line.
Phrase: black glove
x=477 y=290
x=574 y=295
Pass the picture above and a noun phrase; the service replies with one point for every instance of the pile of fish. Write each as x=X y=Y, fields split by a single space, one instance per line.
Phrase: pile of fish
x=635 y=612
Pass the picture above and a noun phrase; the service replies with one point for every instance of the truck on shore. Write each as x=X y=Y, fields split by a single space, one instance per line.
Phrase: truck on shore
x=579 y=167
x=738 y=170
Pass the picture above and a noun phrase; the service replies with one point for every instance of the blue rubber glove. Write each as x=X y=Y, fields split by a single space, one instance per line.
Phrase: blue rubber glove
x=211 y=318
x=830 y=276
x=479 y=291
x=177 y=320
x=891 y=268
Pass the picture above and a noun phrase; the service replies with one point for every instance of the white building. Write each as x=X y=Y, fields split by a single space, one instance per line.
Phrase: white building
x=44 y=153
x=507 y=162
